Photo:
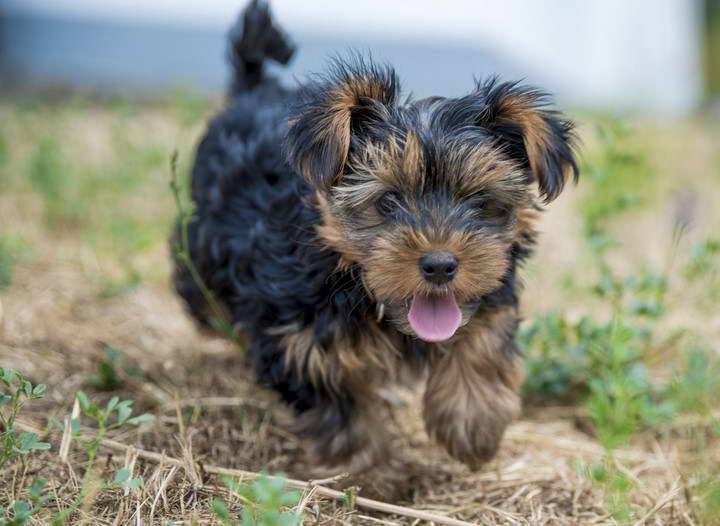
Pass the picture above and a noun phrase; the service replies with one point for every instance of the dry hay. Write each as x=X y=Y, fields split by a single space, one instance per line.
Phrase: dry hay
x=209 y=413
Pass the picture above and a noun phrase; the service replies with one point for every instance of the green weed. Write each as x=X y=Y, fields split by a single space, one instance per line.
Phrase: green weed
x=46 y=171
x=188 y=106
x=114 y=415
x=49 y=176
x=181 y=249
x=16 y=392
x=619 y=173
x=695 y=388
x=12 y=251
x=263 y=502
x=21 y=512
x=704 y=270
x=112 y=371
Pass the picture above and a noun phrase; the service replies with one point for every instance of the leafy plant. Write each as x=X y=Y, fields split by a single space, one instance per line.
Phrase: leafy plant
x=695 y=388
x=16 y=391
x=111 y=371
x=47 y=174
x=617 y=173
x=20 y=512
x=263 y=499
x=181 y=249
x=11 y=250
x=704 y=270
x=115 y=414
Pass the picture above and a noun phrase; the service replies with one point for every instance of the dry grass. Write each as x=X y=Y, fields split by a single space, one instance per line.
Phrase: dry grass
x=60 y=313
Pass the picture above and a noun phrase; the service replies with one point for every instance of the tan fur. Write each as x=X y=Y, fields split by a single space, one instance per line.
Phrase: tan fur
x=401 y=165
x=363 y=365
x=471 y=394
x=333 y=129
x=484 y=169
x=392 y=266
x=333 y=235
x=537 y=135
x=525 y=224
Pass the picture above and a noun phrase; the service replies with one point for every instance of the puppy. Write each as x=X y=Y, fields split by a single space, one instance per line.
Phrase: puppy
x=351 y=236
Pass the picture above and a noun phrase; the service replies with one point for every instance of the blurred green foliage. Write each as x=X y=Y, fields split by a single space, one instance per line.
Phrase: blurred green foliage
x=603 y=358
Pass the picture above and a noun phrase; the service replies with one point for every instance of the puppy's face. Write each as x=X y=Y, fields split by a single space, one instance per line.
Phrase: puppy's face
x=429 y=197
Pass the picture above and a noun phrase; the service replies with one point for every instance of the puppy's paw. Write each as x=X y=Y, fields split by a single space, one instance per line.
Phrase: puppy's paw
x=470 y=421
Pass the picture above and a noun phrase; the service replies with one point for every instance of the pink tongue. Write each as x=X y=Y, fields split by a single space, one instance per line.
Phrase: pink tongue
x=434 y=318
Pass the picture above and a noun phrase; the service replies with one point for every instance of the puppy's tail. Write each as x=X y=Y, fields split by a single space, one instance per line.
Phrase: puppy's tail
x=253 y=39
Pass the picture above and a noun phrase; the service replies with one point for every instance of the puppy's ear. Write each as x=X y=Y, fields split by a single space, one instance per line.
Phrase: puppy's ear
x=334 y=114
x=537 y=135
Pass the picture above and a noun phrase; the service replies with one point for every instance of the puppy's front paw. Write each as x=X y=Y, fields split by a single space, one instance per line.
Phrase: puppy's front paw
x=469 y=418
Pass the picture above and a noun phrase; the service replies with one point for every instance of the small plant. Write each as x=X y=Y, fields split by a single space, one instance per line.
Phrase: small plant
x=20 y=512
x=263 y=499
x=618 y=487
x=704 y=269
x=704 y=259
x=181 y=250
x=115 y=414
x=10 y=253
x=188 y=106
x=16 y=391
x=47 y=175
x=111 y=371
x=695 y=389
x=618 y=172
x=349 y=498
x=622 y=400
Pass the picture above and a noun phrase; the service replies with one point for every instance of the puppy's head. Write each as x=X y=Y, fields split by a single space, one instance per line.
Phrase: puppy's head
x=427 y=196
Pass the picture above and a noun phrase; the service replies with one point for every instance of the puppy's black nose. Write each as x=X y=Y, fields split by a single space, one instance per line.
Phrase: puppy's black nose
x=438 y=267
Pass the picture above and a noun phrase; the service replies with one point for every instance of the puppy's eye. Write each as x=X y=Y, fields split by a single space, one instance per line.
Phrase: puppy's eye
x=491 y=210
x=387 y=203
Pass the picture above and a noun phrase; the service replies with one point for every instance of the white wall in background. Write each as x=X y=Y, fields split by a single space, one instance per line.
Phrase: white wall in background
x=642 y=54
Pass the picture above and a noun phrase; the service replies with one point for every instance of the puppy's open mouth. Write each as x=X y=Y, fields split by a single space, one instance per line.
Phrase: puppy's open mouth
x=435 y=317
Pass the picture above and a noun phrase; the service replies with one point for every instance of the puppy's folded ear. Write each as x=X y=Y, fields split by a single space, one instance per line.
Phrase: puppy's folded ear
x=335 y=113
x=524 y=123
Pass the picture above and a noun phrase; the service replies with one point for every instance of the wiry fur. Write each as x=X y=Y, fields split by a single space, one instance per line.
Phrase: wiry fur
x=313 y=252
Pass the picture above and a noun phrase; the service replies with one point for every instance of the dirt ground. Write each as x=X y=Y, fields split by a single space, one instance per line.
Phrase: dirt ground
x=67 y=303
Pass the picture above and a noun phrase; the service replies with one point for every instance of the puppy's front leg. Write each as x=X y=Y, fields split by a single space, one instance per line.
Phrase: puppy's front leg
x=471 y=394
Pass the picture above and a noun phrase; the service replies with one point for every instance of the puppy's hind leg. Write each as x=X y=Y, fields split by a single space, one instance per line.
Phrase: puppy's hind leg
x=341 y=437
x=338 y=419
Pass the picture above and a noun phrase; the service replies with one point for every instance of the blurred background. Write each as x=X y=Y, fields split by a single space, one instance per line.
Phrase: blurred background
x=103 y=102
x=659 y=57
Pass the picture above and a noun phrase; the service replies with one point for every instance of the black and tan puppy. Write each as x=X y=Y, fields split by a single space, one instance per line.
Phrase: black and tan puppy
x=353 y=235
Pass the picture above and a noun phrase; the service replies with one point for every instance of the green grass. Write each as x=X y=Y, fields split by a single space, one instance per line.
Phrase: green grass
x=12 y=250
x=48 y=174
x=4 y=154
